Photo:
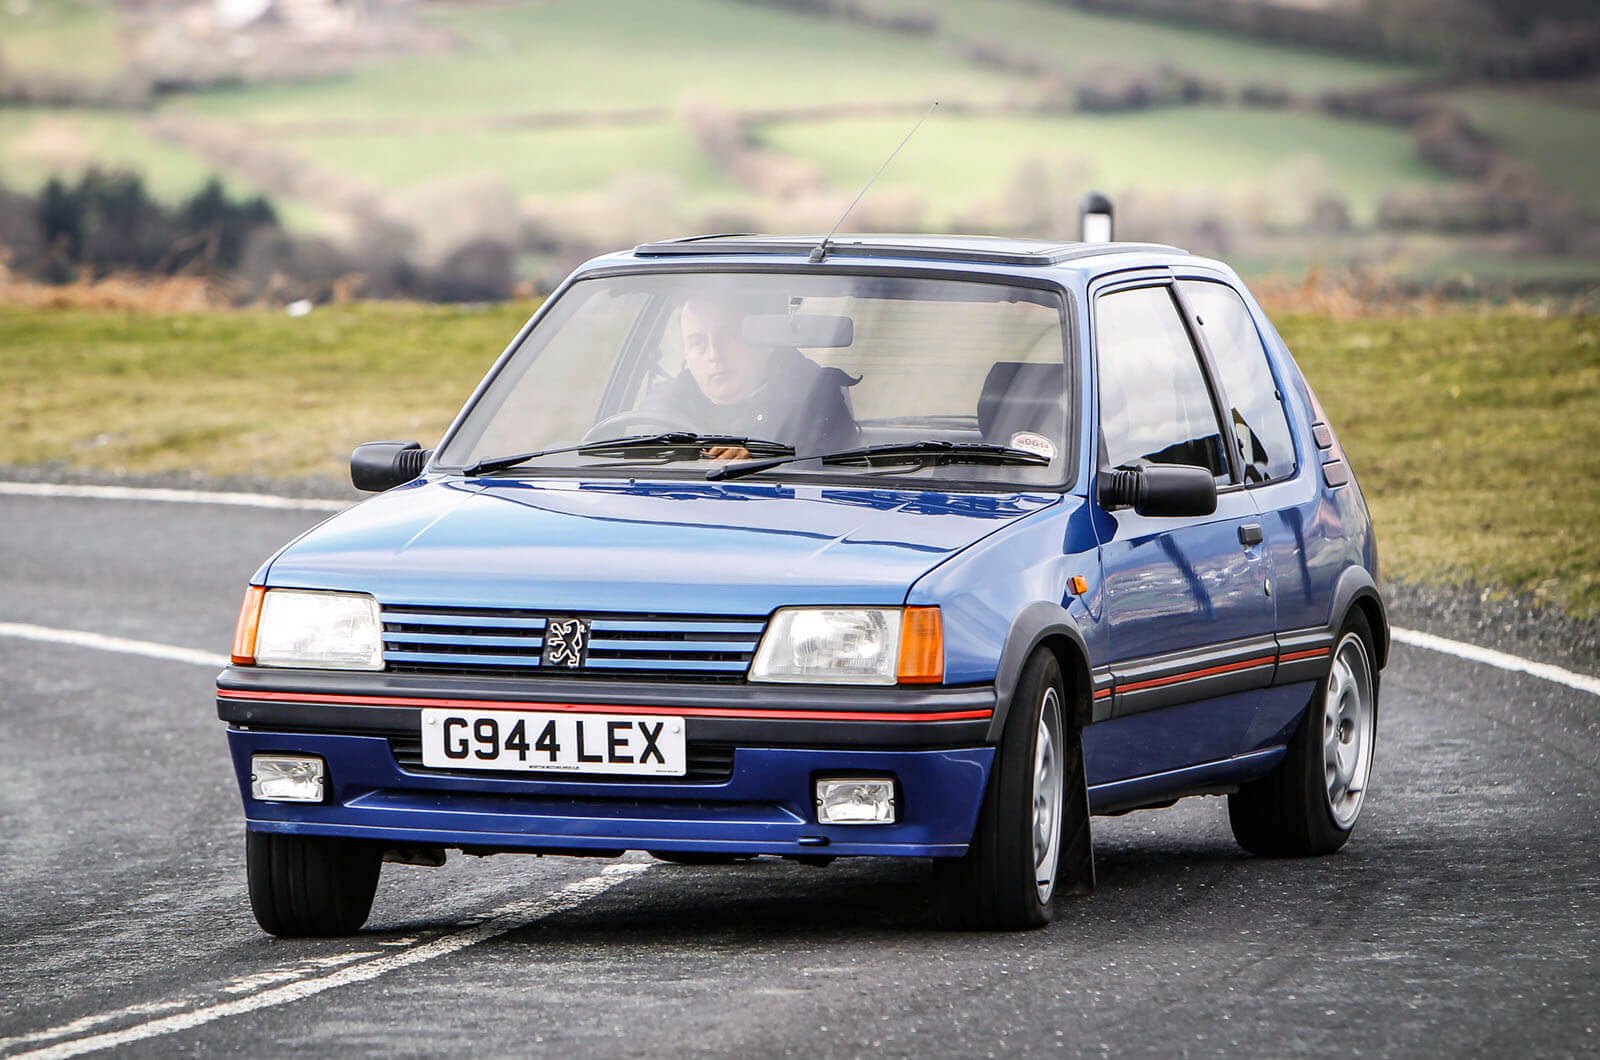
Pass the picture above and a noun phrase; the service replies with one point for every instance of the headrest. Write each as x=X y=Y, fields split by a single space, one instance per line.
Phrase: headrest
x=1022 y=397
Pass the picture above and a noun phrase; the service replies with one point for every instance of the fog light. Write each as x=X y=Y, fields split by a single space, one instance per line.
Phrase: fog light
x=286 y=778
x=855 y=801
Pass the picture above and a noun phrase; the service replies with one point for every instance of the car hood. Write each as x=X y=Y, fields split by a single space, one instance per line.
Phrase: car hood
x=618 y=546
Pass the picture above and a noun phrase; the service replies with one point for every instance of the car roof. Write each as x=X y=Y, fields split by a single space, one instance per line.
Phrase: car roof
x=982 y=250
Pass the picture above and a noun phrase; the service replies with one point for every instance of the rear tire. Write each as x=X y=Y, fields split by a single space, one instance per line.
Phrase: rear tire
x=310 y=886
x=1309 y=803
x=1032 y=838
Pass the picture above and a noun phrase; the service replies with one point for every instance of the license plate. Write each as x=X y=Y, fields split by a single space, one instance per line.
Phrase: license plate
x=554 y=743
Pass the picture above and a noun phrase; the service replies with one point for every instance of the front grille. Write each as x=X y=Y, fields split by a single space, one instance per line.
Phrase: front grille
x=708 y=763
x=503 y=641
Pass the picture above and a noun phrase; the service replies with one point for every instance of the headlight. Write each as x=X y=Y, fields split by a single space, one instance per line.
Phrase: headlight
x=304 y=628
x=856 y=646
x=852 y=646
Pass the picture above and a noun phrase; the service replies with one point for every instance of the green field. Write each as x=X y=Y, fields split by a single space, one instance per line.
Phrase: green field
x=1475 y=433
x=76 y=38
x=236 y=393
x=1559 y=139
x=1476 y=438
x=412 y=121
x=1079 y=42
x=958 y=160
x=546 y=162
x=609 y=54
x=955 y=163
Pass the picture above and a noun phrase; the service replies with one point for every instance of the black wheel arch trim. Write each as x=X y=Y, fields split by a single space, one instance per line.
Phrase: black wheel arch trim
x=1357 y=588
x=1034 y=625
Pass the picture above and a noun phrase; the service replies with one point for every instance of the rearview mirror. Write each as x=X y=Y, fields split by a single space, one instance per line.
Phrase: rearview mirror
x=377 y=466
x=807 y=330
x=1160 y=490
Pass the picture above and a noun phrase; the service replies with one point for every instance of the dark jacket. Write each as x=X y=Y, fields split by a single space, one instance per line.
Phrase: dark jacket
x=801 y=403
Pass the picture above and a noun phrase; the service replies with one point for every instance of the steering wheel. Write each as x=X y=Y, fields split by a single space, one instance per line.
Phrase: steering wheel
x=619 y=424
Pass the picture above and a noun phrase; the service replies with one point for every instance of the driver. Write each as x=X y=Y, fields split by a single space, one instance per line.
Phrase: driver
x=728 y=386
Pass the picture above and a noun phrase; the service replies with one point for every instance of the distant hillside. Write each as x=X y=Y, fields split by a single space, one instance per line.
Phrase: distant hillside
x=557 y=128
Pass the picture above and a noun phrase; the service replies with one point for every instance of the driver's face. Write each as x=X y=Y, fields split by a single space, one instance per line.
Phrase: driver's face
x=727 y=368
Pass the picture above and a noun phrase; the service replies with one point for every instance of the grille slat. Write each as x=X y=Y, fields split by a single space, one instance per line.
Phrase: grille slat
x=535 y=643
x=657 y=663
x=752 y=627
x=629 y=646
x=507 y=642
x=464 y=658
x=451 y=617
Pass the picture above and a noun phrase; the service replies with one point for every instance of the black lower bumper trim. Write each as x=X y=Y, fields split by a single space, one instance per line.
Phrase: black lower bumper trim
x=760 y=715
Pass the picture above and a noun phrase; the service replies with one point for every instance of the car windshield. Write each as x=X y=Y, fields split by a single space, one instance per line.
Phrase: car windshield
x=764 y=364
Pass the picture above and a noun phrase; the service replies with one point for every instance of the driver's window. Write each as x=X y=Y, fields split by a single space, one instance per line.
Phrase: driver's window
x=1155 y=407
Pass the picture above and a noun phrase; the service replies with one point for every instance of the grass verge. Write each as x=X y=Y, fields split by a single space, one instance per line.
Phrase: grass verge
x=1475 y=433
x=1476 y=438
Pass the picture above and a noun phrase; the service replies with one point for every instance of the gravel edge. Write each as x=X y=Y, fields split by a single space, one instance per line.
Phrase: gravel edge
x=1477 y=614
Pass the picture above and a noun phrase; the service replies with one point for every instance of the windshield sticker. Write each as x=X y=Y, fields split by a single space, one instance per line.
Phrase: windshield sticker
x=1029 y=442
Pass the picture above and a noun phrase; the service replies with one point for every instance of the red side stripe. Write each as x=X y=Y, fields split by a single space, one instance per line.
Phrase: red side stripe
x=1101 y=693
x=1157 y=682
x=1310 y=654
x=612 y=708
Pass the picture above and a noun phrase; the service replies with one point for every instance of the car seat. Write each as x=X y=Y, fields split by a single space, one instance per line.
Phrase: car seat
x=1019 y=397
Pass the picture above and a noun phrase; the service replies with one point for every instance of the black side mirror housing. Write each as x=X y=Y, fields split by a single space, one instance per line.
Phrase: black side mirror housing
x=1160 y=490
x=377 y=466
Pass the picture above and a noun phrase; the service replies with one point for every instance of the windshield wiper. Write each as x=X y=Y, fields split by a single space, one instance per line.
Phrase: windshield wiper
x=932 y=452
x=684 y=442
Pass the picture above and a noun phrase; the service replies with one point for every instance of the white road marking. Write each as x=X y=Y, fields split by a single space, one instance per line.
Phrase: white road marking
x=103 y=642
x=1505 y=661
x=143 y=1008
x=139 y=493
x=498 y=922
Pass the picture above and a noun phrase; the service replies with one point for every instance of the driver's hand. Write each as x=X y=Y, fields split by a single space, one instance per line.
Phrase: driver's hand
x=728 y=452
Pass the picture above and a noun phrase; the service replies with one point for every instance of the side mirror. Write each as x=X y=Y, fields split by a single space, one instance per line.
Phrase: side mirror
x=377 y=466
x=1160 y=490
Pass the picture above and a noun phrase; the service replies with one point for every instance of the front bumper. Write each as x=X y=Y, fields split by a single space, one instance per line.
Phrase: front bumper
x=782 y=740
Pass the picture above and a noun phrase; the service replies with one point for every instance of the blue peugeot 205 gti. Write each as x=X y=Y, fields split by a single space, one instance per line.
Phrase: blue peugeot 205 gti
x=898 y=546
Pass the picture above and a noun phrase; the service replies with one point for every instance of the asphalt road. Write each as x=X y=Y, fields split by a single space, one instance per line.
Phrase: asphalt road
x=1462 y=919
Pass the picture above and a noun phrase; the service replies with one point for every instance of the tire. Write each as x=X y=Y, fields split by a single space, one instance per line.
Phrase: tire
x=678 y=857
x=310 y=886
x=1032 y=839
x=1309 y=803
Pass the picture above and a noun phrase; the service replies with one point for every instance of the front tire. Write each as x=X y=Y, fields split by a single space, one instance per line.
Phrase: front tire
x=310 y=886
x=1032 y=837
x=1309 y=803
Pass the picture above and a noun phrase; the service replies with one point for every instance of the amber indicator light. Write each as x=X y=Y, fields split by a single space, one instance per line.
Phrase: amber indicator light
x=1080 y=584
x=244 y=633
x=921 y=647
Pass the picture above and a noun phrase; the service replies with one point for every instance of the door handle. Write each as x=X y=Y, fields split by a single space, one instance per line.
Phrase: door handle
x=1250 y=534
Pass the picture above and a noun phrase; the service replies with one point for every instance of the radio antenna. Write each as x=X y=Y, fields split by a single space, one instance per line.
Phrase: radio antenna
x=821 y=250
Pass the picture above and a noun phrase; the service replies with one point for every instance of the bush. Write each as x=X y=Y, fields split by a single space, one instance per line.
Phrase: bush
x=1256 y=94
x=479 y=271
x=1446 y=139
x=1475 y=208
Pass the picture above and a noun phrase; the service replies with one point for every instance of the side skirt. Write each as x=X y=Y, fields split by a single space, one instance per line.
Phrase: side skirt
x=1156 y=788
